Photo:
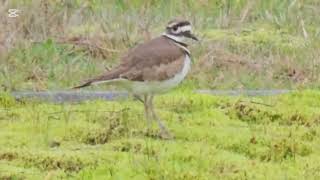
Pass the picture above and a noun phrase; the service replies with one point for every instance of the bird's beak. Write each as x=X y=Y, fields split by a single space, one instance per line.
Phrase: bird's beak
x=190 y=35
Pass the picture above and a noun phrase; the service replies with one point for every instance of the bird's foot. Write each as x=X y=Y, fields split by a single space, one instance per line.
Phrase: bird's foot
x=163 y=134
x=166 y=135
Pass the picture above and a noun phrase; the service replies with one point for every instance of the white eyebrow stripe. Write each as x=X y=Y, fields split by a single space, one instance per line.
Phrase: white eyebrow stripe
x=184 y=28
x=172 y=24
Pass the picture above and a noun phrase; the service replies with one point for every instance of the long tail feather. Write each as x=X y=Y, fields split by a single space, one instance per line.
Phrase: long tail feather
x=88 y=83
x=104 y=77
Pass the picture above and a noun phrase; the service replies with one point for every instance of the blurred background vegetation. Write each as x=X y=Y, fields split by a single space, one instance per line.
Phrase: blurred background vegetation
x=245 y=44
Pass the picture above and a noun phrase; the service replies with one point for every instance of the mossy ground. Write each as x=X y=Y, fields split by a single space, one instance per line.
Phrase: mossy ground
x=215 y=137
x=245 y=44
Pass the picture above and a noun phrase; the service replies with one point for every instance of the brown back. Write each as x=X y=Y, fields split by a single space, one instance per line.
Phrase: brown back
x=156 y=60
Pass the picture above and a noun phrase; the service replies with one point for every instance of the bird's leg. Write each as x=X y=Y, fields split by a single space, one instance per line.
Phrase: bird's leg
x=146 y=99
x=138 y=98
x=164 y=131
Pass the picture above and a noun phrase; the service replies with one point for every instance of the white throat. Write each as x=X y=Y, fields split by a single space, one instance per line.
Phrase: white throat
x=177 y=39
x=180 y=39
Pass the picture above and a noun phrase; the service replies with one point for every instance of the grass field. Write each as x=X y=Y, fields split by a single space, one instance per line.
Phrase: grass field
x=215 y=137
x=245 y=44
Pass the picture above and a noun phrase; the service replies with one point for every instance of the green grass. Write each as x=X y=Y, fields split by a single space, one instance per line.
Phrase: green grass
x=245 y=43
x=215 y=137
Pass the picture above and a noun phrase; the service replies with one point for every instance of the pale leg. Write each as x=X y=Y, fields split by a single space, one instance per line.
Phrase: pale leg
x=138 y=98
x=164 y=131
x=146 y=99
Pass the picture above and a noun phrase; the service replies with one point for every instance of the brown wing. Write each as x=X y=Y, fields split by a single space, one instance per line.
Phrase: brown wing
x=158 y=59
x=158 y=72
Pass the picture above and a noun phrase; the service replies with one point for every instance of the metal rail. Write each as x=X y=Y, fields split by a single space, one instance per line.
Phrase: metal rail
x=78 y=96
x=265 y=92
x=70 y=96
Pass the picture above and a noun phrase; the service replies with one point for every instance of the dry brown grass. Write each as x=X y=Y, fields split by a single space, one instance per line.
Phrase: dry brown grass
x=102 y=32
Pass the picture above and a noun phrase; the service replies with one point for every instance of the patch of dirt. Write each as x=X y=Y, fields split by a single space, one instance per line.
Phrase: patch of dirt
x=69 y=163
x=104 y=129
x=301 y=119
x=258 y=113
x=252 y=113
x=285 y=148
x=128 y=146
x=116 y=129
x=219 y=58
x=9 y=156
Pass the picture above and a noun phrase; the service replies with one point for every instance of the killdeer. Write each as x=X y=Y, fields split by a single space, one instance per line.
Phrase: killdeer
x=153 y=67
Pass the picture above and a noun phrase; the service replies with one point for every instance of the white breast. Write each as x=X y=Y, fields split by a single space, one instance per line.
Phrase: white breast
x=159 y=87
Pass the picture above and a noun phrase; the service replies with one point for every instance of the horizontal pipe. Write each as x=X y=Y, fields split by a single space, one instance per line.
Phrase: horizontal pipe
x=70 y=96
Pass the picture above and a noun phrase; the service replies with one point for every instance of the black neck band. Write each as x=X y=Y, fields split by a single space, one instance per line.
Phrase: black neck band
x=181 y=43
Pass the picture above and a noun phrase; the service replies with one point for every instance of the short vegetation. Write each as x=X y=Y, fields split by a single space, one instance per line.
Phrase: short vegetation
x=245 y=44
x=215 y=137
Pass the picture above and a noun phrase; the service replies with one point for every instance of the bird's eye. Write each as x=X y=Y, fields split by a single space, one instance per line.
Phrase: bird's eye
x=175 y=28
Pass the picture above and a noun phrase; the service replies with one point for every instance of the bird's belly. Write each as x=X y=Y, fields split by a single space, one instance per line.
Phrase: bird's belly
x=161 y=86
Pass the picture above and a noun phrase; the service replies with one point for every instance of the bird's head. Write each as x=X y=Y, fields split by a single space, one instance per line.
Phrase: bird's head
x=180 y=30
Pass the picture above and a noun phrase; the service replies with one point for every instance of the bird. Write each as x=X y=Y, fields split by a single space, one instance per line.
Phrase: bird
x=153 y=67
